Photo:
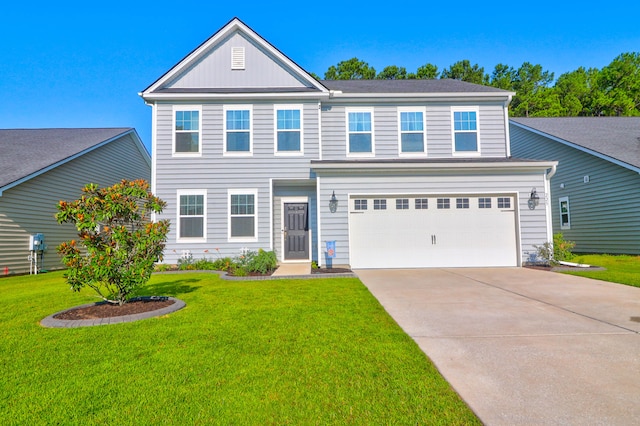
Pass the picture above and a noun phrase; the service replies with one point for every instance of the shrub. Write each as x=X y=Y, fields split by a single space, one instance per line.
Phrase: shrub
x=557 y=251
x=263 y=262
x=120 y=242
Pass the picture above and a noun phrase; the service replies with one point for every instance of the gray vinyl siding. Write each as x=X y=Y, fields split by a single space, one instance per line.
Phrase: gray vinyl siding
x=216 y=173
x=214 y=69
x=603 y=212
x=29 y=207
x=335 y=226
x=439 y=139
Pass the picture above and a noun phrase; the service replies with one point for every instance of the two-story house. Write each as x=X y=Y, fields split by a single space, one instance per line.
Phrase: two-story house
x=250 y=151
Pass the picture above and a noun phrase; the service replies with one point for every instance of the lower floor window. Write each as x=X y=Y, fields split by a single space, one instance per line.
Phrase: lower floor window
x=380 y=204
x=462 y=203
x=191 y=216
x=443 y=203
x=242 y=215
x=565 y=218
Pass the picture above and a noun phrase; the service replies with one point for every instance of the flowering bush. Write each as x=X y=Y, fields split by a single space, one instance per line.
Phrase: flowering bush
x=119 y=242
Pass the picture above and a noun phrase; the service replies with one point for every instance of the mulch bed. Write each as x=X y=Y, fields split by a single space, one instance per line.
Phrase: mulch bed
x=330 y=271
x=107 y=310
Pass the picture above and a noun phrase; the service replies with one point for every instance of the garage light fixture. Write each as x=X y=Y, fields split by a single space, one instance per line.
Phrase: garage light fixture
x=534 y=199
x=333 y=203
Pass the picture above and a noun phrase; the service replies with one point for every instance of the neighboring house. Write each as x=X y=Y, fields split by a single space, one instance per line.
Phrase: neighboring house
x=40 y=167
x=250 y=151
x=595 y=194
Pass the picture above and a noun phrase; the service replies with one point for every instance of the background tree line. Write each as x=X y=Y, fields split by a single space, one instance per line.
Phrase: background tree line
x=613 y=90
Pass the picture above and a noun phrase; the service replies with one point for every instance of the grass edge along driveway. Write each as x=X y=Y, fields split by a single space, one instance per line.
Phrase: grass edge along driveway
x=316 y=351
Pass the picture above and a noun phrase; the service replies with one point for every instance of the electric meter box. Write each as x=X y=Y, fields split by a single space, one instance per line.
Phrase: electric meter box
x=36 y=242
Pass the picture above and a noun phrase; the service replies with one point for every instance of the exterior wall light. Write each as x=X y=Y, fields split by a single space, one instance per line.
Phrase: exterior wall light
x=333 y=203
x=534 y=199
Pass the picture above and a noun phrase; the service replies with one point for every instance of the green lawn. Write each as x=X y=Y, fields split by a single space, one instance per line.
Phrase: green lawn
x=317 y=351
x=621 y=269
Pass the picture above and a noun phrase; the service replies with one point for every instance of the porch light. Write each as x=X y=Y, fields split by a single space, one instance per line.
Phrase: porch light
x=534 y=199
x=333 y=203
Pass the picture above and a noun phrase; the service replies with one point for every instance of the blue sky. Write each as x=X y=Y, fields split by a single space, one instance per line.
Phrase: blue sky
x=77 y=64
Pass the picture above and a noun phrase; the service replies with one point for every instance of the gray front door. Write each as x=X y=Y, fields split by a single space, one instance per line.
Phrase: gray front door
x=296 y=231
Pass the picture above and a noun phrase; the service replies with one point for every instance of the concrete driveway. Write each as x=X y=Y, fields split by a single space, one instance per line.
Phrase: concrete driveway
x=523 y=346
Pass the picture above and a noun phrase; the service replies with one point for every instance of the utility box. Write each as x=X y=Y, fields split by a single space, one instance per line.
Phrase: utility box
x=36 y=242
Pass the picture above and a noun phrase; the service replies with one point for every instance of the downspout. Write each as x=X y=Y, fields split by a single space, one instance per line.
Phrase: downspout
x=547 y=191
x=506 y=126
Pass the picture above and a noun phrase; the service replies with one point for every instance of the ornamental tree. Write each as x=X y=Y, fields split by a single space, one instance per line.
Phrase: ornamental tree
x=118 y=242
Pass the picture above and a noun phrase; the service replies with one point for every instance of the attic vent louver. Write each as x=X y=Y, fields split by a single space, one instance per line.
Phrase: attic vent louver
x=237 y=58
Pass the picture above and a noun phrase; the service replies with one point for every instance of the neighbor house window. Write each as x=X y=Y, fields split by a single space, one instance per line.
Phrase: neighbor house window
x=186 y=131
x=411 y=131
x=443 y=203
x=379 y=204
x=422 y=203
x=242 y=214
x=360 y=204
x=360 y=132
x=484 y=203
x=462 y=203
x=288 y=130
x=237 y=129
x=191 y=215
x=504 y=203
x=565 y=215
x=465 y=131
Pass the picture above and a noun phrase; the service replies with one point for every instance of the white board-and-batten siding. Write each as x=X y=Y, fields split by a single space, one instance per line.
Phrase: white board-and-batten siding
x=29 y=207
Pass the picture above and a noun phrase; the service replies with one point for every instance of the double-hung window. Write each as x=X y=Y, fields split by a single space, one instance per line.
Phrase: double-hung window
x=360 y=132
x=237 y=129
x=192 y=215
x=242 y=214
x=288 y=130
x=465 y=131
x=186 y=130
x=412 y=136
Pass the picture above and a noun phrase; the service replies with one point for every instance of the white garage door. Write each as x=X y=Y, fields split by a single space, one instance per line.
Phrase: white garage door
x=432 y=231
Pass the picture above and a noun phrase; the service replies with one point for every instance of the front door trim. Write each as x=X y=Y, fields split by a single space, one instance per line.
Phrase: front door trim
x=283 y=202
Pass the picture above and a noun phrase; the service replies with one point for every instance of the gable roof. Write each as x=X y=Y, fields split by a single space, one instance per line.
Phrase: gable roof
x=235 y=25
x=615 y=139
x=26 y=153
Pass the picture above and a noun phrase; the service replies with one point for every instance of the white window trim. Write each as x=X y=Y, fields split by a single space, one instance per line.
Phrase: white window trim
x=373 y=133
x=276 y=108
x=243 y=191
x=238 y=107
x=560 y=200
x=202 y=192
x=422 y=153
x=477 y=131
x=175 y=109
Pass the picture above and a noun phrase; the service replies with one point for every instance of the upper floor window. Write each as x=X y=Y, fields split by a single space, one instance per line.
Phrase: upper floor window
x=186 y=131
x=288 y=130
x=411 y=131
x=237 y=129
x=191 y=215
x=465 y=131
x=360 y=132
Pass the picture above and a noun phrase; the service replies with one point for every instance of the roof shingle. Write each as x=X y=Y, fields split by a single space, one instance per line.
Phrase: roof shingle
x=27 y=151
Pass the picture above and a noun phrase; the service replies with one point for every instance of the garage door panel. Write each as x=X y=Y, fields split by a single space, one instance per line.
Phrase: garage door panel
x=433 y=237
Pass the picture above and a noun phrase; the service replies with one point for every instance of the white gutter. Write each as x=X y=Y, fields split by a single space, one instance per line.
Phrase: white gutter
x=215 y=96
x=350 y=165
